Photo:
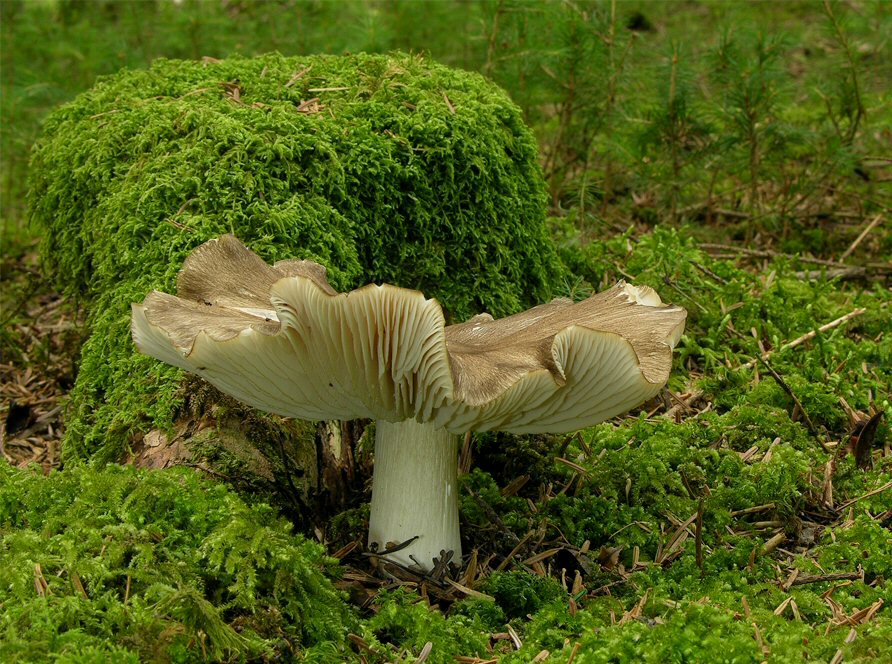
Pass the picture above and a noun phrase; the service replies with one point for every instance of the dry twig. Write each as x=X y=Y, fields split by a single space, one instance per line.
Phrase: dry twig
x=873 y=224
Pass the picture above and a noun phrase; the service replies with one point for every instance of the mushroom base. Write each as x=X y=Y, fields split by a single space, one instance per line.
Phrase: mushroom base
x=415 y=492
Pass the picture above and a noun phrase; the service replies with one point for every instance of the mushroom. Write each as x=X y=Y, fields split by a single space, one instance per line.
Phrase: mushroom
x=281 y=339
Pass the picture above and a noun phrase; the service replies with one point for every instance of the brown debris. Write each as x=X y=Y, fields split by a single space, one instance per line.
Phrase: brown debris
x=310 y=106
x=762 y=646
x=874 y=492
x=859 y=617
x=156 y=450
x=824 y=578
x=449 y=104
x=674 y=548
x=232 y=91
x=43 y=332
x=862 y=437
x=873 y=224
x=635 y=612
x=40 y=584
x=335 y=89
x=773 y=543
x=838 y=657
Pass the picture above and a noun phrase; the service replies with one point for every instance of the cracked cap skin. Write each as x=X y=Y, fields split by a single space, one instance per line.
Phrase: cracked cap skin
x=281 y=339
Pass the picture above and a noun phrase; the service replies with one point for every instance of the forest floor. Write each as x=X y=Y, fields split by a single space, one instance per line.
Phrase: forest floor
x=744 y=515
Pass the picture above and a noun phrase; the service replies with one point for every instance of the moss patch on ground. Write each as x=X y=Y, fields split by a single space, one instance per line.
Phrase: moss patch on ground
x=122 y=565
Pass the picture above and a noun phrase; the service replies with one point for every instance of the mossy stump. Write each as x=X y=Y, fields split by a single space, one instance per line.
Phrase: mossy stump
x=384 y=168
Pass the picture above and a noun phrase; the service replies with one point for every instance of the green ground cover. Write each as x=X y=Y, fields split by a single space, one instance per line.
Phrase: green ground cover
x=727 y=154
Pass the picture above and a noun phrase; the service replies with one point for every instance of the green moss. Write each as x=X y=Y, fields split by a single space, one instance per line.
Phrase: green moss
x=695 y=633
x=155 y=566
x=482 y=484
x=866 y=543
x=489 y=614
x=507 y=456
x=645 y=476
x=403 y=621
x=712 y=627
x=407 y=172
x=521 y=593
x=345 y=526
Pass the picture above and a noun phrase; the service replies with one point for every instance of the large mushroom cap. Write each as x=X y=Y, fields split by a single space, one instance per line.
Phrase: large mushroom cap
x=280 y=338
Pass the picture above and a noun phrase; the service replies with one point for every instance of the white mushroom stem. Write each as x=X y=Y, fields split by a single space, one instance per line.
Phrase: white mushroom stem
x=415 y=492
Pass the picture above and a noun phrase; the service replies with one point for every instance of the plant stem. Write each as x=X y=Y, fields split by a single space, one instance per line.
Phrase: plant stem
x=493 y=37
x=843 y=41
x=676 y=134
x=415 y=492
x=608 y=107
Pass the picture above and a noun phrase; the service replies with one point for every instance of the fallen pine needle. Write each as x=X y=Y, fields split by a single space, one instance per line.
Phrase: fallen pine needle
x=886 y=486
x=515 y=639
x=837 y=658
x=425 y=652
x=470 y=592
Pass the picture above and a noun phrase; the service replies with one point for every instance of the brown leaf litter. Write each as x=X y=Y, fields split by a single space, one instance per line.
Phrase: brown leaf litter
x=40 y=334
